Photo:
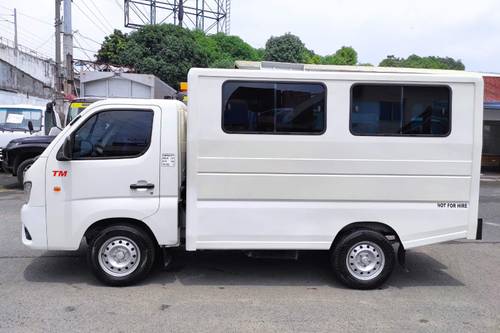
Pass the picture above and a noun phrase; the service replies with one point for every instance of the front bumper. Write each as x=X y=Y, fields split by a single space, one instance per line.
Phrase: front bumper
x=4 y=161
x=34 y=228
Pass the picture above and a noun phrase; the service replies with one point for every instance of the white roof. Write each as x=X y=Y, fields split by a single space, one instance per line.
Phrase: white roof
x=342 y=68
x=22 y=106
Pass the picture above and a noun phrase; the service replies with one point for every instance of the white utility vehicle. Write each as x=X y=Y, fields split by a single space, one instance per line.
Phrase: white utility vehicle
x=363 y=163
x=15 y=123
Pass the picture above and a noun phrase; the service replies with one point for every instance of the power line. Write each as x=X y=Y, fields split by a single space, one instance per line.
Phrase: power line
x=83 y=49
x=28 y=49
x=37 y=19
x=44 y=43
x=95 y=16
x=28 y=16
x=85 y=14
x=86 y=37
x=119 y=5
x=100 y=13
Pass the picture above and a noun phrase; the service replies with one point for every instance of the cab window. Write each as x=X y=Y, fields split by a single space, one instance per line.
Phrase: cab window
x=113 y=134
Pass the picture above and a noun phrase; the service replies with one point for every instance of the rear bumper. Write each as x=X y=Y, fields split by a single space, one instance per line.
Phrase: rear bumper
x=34 y=228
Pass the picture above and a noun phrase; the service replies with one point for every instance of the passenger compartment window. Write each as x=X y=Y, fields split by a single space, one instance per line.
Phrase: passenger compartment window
x=113 y=134
x=273 y=107
x=400 y=110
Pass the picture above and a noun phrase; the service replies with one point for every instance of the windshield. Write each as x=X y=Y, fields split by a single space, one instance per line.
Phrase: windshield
x=16 y=119
x=74 y=110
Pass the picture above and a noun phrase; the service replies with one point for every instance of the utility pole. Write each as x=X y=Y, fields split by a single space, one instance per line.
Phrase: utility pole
x=58 y=97
x=68 y=48
x=16 y=46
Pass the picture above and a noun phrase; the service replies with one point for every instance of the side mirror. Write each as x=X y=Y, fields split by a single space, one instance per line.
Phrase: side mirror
x=66 y=151
x=30 y=126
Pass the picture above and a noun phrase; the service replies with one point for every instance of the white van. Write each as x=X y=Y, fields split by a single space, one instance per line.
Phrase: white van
x=355 y=163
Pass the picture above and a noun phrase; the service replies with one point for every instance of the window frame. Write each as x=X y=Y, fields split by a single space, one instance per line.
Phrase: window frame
x=72 y=135
x=275 y=82
x=450 y=94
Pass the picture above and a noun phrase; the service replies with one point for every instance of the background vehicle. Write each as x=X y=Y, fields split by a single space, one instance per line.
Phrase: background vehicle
x=20 y=153
x=14 y=120
x=336 y=169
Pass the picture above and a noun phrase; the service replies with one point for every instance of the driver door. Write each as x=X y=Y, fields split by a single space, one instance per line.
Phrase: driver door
x=113 y=173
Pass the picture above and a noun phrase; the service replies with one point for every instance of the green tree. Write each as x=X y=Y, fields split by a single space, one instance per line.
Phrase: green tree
x=312 y=58
x=224 y=50
x=346 y=55
x=112 y=46
x=415 y=61
x=285 y=48
x=167 y=51
x=235 y=47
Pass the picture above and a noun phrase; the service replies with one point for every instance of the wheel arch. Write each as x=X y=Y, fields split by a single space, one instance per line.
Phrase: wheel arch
x=21 y=157
x=97 y=226
x=380 y=227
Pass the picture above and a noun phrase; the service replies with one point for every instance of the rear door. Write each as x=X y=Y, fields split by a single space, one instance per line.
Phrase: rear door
x=113 y=173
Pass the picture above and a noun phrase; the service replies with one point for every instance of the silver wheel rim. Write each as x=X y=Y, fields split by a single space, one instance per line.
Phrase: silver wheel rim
x=119 y=256
x=365 y=260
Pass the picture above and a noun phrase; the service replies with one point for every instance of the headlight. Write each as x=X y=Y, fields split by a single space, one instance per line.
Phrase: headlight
x=27 y=192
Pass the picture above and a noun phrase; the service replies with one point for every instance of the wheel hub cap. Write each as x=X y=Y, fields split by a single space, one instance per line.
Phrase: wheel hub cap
x=365 y=260
x=119 y=256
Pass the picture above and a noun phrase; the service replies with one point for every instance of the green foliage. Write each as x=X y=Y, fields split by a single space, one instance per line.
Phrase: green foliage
x=166 y=51
x=169 y=51
x=346 y=55
x=415 y=61
x=224 y=50
x=312 y=58
x=285 y=48
x=112 y=46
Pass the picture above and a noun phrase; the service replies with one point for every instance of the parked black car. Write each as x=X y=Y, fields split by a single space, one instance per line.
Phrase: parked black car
x=20 y=153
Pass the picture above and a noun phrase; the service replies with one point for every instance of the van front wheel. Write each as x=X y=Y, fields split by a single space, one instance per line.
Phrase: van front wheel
x=363 y=259
x=121 y=255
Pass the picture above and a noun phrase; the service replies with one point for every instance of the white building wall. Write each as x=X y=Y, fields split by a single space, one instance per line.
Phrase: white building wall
x=40 y=69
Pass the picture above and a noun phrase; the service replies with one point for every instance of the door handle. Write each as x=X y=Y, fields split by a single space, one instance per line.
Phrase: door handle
x=142 y=186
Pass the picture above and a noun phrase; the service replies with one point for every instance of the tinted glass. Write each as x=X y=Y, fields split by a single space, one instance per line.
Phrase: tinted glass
x=111 y=134
x=400 y=110
x=273 y=108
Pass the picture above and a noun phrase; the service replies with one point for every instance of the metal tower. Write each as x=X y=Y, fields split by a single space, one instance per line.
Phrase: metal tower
x=207 y=15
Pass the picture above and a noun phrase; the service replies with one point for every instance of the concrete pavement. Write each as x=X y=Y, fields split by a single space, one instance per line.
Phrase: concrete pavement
x=449 y=287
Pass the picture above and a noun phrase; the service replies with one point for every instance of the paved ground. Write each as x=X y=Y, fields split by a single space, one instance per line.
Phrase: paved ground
x=449 y=287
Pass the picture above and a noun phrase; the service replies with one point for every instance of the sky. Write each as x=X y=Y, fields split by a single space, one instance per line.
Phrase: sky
x=466 y=30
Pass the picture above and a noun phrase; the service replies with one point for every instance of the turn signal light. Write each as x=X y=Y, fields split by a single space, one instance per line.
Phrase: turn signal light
x=57 y=188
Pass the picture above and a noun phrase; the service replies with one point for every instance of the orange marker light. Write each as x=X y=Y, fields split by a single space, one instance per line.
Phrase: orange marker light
x=57 y=188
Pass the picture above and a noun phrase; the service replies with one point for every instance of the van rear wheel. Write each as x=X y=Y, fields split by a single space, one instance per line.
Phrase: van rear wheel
x=363 y=259
x=121 y=255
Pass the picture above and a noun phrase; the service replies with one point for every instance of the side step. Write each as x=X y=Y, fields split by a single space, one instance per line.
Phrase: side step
x=273 y=254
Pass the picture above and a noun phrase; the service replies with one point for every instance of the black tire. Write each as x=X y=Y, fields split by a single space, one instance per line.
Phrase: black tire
x=144 y=247
x=354 y=247
x=22 y=168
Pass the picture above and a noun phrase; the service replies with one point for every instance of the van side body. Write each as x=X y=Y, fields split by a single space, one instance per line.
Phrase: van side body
x=258 y=191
